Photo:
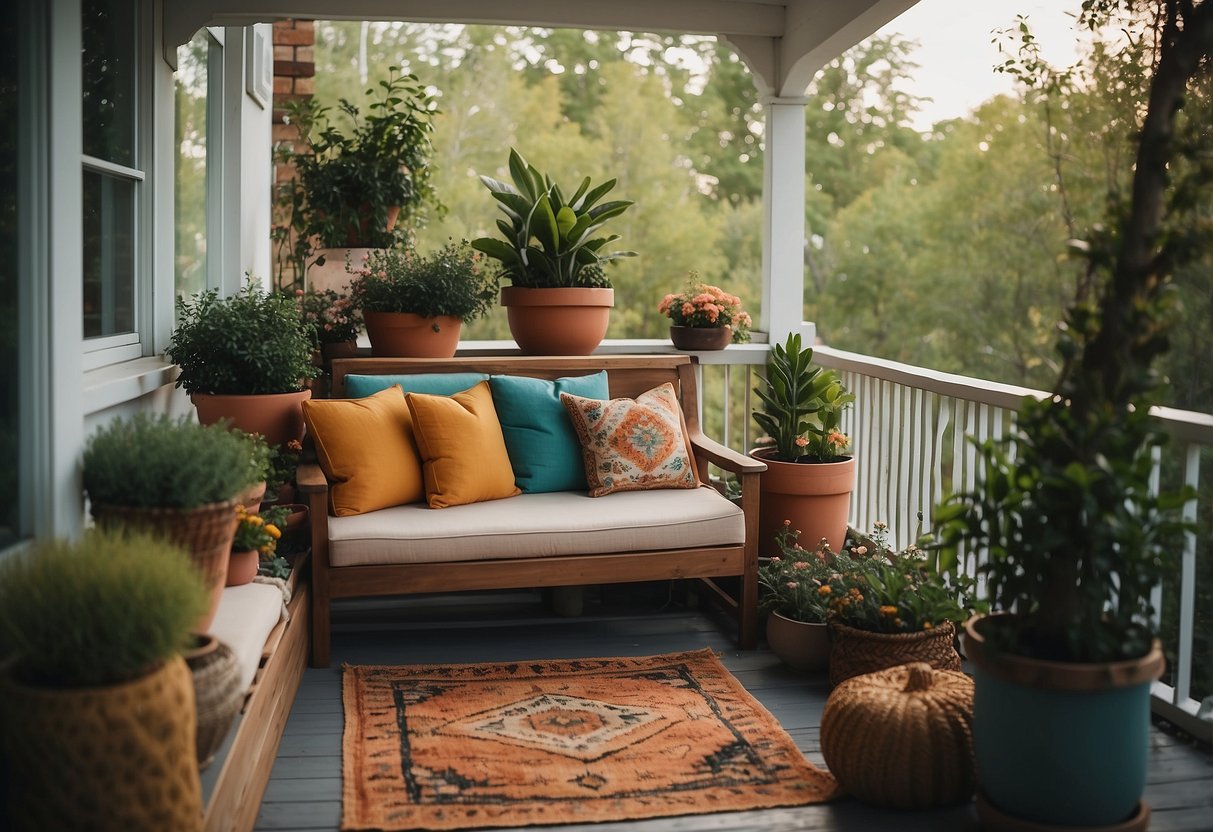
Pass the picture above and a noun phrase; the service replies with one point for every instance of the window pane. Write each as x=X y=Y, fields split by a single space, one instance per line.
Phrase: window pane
x=109 y=254
x=191 y=195
x=109 y=71
x=10 y=241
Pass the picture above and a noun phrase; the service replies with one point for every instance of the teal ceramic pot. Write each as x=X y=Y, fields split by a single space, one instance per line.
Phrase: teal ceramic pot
x=1060 y=743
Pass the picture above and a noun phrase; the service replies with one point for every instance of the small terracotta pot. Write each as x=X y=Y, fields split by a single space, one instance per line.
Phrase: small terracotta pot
x=252 y=497
x=339 y=349
x=801 y=645
x=276 y=416
x=297 y=519
x=571 y=321
x=701 y=338
x=242 y=567
x=405 y=335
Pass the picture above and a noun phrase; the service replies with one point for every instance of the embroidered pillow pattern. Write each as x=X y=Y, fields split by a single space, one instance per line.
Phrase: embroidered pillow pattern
x=632 y=444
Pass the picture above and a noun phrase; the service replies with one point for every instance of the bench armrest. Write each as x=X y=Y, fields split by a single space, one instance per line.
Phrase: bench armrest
x=725 y=457
x=310 y=479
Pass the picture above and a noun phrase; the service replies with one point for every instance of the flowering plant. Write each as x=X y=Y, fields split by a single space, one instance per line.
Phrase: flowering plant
x=804 y=406
x=452 y=281
x=256 y=531
x=707 y=307
x=328 y=316
x=790 y=582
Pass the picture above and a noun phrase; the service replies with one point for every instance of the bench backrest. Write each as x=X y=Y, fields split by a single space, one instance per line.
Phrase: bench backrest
x=628 y=375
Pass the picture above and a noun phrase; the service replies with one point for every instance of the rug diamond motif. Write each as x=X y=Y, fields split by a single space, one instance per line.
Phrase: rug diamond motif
x=583 y=729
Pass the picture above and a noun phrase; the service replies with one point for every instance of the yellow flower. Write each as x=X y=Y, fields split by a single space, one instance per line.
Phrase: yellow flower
x=824 y=589
x=888 y=610
x=927 y=625
x=273 y=531
x=255 y=520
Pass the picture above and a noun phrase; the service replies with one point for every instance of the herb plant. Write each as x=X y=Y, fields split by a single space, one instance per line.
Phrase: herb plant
x=803 y=405
x=452 y=281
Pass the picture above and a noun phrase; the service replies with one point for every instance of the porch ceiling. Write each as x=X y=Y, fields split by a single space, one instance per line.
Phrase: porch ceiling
x=784 y=42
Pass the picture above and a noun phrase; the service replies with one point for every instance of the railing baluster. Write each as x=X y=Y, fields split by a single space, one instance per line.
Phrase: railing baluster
x=1187 y=585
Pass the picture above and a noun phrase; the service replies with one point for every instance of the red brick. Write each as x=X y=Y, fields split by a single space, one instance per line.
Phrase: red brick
x=305 y=86
x=283 y=133
x=294 y=37
x=283 y=85
x=284 y=53
x=294 y=69
x=306 y=26
x=307 y=54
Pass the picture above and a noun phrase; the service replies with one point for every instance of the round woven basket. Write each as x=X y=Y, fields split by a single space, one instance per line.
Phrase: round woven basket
x=205 y=532
x=217 y=691
x=902 y=737
x=112 y=757
x=854 y=652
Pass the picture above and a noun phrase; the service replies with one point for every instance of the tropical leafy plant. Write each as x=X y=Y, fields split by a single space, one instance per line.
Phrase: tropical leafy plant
x=156 y=460
x=547 y=239
x=452 y=281
x=251 y=342
x=104 y=609
x=804 y=405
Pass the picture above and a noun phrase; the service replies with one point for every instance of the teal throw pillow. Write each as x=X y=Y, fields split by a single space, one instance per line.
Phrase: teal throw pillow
x=435 y=384
x=539 y=437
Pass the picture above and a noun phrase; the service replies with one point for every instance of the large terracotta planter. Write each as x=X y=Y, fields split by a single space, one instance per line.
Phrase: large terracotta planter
x=1058 y=743
x=204 y=532
x=118 y=756
x=405 y=335
x=700 y=338
x=801 y=645
x=815 y=497
x=276 y=416
x=569 y=321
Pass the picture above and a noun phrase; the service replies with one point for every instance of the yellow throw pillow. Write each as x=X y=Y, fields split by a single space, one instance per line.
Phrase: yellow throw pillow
x=633 y=444
x=463 y=456
x=367 y=451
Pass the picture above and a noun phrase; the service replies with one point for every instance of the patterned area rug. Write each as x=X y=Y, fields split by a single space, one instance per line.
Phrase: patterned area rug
x=578 y=741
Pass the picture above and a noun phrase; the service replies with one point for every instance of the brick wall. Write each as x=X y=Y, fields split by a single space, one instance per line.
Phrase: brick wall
x=294 y=79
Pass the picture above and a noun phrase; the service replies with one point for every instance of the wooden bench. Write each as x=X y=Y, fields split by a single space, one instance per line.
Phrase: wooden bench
x=628 y=376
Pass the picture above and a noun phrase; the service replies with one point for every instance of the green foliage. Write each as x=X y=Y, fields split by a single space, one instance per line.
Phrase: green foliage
x=102 y=610
x=793 y=391
x=348 y=179
x=452 y=281
x=790 y=584
x=567 y=254
x=328 y=316
x=705 y=306
x=151 y=460
x=259 y=531
x=251 y=342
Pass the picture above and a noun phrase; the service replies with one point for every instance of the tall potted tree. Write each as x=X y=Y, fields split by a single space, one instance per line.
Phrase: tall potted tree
x=560 y=299
x=246 y=358
x=809 y=479
x=1076 y=539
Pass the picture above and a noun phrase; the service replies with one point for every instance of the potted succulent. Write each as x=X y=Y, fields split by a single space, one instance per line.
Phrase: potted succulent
x=808 y=478
x=1076 y=539
x=796 y=611
x=559 y=300
x=98 y=717
x=355 y=182
x=244 y=358
x=705 y=317
x=415 y=306
x=176 y=478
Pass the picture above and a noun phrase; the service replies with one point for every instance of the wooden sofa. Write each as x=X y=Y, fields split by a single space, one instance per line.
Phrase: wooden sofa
x=628 y=376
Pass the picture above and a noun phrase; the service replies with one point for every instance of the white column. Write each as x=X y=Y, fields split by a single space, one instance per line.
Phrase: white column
x=783 y=238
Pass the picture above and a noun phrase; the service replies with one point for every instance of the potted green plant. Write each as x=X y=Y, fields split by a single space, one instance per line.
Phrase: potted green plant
x=255 y=540
x=176 y=478
x=705 y=317
x=98 y=716
x=244 y=358
x=415 y=305
x=788 y=585
x=331 y=320
x=1076 y=539
x=560 y=299
x=809 y=479
x=357 y=180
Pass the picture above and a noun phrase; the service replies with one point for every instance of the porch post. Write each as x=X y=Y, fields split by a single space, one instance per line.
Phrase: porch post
x=783 y=237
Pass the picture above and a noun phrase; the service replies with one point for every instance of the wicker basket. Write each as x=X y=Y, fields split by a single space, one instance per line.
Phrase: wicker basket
x=854 y=652
x=217 y=691
x=205 y=532
x=902 y=737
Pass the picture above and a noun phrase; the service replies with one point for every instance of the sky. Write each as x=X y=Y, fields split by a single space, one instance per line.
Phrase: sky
x=956 y=56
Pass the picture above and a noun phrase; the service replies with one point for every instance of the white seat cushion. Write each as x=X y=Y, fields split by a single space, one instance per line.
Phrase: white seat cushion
x=538 y=525
x=245 y=617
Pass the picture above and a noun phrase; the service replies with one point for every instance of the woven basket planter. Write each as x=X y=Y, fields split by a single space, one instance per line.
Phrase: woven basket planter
x=902 y=737
x=217 y=691
x=854 y=652
x=112 y=757
x=205 y=532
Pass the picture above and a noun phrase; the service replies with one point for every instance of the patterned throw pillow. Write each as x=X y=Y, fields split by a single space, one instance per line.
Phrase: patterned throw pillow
x=632 y=444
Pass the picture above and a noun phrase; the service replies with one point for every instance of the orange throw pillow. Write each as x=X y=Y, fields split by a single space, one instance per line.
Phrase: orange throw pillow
x=366 y=449
x=463 y=455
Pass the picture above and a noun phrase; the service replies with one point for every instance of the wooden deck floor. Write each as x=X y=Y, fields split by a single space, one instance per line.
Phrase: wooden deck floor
x=304 y=792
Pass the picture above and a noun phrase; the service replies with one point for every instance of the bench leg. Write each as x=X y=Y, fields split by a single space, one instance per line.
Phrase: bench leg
x=747 y=612
x=321 y=628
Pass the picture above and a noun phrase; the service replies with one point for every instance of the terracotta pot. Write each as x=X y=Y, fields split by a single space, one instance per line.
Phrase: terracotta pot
x=405 y=335
x=118 y=756
x=558 y=321
x=217 y=693
x=339 y=349
x=1059 y=743
x=801 y=645
x=276 y=416
x=854 y=652
x=242 y=567
x=297 y=519
x=252 y=497
x=815 y=497
x=701 y=338
x=332 y=274
x=205 y=532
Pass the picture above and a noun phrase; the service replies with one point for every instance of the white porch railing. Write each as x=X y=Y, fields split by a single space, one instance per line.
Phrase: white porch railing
x=910 y=430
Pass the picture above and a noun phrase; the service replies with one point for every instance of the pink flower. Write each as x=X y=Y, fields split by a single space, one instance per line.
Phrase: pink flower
x=801 y=442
